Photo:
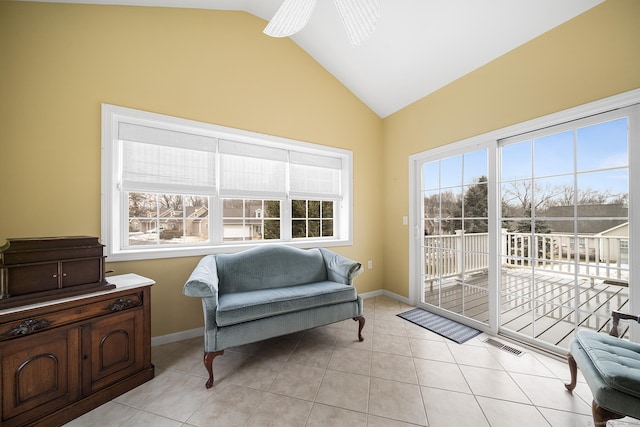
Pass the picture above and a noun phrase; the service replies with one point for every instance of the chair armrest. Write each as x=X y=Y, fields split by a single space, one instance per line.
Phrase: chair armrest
x=203 y=282
x=616 y=317
x=339 y=268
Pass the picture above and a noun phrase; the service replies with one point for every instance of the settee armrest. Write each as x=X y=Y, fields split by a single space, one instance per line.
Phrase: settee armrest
x=203 y=282
x=339 y=268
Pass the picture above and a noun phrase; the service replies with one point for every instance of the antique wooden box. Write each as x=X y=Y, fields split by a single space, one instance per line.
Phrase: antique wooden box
x=40 y=269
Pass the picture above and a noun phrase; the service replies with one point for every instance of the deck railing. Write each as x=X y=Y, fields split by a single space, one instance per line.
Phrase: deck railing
x=595 y=257
x=447 y=255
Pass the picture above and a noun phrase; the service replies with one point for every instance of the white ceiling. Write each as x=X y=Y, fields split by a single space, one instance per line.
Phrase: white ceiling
x=418 y=46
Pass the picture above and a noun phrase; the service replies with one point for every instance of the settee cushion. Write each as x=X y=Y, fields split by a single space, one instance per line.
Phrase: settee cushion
x=272 y=266
x=238 y=307
x=617 y=361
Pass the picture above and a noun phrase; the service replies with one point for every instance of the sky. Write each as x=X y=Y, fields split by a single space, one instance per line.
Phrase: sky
x=595 y=155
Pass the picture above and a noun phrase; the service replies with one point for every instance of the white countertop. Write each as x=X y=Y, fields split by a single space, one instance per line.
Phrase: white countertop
x=131 y=280
x=122 y=282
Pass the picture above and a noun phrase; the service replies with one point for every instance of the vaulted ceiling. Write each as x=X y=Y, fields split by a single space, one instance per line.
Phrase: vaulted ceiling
x=418 y=46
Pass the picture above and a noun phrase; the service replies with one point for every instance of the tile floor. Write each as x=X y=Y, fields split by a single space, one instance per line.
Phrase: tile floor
x=401 y=375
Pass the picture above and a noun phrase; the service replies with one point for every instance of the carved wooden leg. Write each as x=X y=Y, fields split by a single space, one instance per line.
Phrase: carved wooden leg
x=573 y=368
x=601 y=415
x=360 y=326
x=208 y=363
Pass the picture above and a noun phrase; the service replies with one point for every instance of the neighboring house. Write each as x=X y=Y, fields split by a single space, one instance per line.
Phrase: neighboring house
x=592 y=219
x=237 y=227
x=616 y=242
x=196 y=221
x=603 y=231
x=170 y=223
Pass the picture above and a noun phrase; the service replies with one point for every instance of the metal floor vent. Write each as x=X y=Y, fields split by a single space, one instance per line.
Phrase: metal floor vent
x=502 y=346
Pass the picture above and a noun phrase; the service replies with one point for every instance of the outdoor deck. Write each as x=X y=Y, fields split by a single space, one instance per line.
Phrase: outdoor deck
x=551 y=303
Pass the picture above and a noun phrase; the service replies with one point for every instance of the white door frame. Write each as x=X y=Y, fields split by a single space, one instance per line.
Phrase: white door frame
x=490 y=141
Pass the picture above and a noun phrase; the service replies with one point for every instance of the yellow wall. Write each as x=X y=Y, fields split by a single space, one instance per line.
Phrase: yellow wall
x=595 y=55
x=59 y=62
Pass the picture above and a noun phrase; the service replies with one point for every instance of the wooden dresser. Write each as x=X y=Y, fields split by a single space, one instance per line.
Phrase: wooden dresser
x=62 y=358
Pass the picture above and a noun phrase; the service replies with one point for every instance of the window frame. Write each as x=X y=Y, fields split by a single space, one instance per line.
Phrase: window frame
x=491 y=140
x=114 y=199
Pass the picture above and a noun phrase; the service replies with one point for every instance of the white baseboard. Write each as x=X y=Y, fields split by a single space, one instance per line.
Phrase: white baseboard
x=371 y=294
x=396 y=297
x=177 y=336
x=384 y=292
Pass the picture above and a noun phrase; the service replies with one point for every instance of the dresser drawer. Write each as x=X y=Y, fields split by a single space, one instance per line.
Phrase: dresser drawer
x=40 y=320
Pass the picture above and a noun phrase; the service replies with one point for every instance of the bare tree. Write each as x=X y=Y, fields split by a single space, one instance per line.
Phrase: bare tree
x=587 y=196
x=567 y=196
x=171 y=201
x=520 y=197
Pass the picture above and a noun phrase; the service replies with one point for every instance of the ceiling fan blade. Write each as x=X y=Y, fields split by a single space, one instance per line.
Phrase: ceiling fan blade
x=359 y=18
x=290 y=18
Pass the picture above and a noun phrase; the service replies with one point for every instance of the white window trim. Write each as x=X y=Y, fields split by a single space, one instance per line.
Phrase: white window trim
x=114 y=208
x=491 y=141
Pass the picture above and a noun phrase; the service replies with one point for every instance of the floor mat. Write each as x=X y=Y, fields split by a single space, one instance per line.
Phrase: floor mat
x=440 y=325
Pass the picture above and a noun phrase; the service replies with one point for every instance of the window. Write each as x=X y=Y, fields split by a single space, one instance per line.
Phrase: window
x=564 y=192
x=160 y=218
x=312 y=218
x=174 y=187
x=245 y=220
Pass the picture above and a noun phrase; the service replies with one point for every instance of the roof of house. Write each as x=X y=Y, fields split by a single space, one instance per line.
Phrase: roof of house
x=593 y=219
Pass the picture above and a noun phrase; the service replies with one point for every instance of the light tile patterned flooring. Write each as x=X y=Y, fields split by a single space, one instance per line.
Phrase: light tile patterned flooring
x=401 y=375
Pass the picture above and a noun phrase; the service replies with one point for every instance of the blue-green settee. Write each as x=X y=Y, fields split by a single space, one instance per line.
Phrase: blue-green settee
x=269 y=291
x=611 y=368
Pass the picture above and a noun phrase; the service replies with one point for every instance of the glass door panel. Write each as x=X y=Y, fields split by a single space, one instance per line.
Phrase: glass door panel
x=455 y=234
x=565 y=229
x=558 y=257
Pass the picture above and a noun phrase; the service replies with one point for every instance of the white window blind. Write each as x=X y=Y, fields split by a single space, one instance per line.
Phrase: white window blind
x=167 y=161
x=314 y=175
x=252 y=170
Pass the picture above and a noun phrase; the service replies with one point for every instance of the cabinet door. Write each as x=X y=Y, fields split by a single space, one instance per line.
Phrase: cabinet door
x=113 y=348
x=39 y=374
x=81 y=272
x=33 y=278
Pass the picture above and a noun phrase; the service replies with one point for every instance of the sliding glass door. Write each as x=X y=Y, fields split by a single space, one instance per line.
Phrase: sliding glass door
x=527 y=231
x=565 y=228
